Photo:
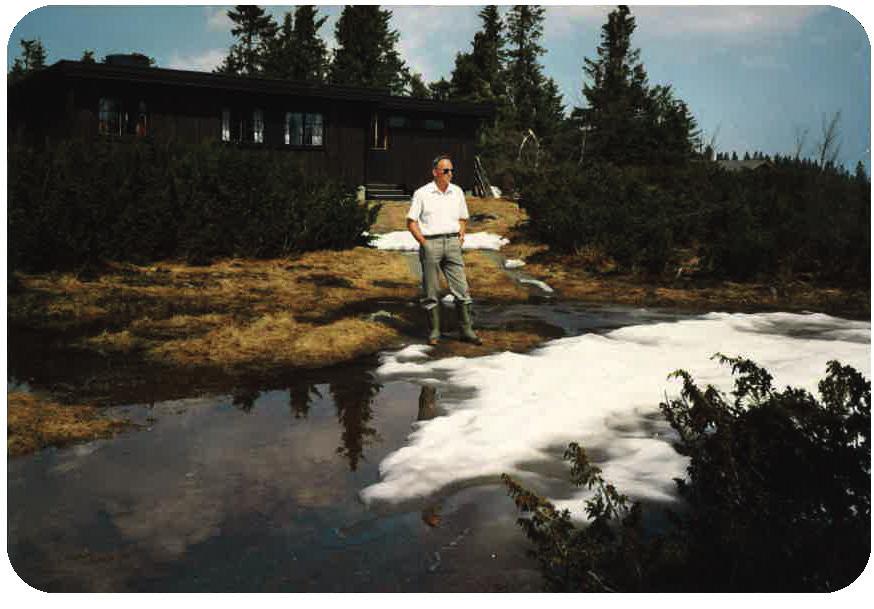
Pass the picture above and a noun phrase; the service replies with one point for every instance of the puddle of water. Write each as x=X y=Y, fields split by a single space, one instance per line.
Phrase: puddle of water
x=258 y=488
x=254 y=491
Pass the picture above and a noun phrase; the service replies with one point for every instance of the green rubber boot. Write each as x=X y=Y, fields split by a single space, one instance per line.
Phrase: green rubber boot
x=465 y=324
x=434 y=325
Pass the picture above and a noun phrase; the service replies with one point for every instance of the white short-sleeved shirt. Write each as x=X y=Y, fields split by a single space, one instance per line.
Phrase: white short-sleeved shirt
x=438 y=212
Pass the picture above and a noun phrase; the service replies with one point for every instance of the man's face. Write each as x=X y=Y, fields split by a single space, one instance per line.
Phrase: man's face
x=441 y=176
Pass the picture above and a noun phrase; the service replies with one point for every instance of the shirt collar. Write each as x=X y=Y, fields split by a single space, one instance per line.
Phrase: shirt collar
x=434 y=188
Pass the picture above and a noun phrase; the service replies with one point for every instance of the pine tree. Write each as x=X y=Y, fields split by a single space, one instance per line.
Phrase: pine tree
x=629 y=121
x=478 y=75
x=617 y=90
x=32 y=59
x=418 y=88
x=366 y=55
x=255 y=31
x=524 y=73
x=441 y=90
x=297 y=52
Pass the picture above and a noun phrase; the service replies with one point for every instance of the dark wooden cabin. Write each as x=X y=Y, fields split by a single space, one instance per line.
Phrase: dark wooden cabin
x=362 y=136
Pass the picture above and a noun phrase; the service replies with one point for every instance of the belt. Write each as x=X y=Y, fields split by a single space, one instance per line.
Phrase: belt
x=440 y=236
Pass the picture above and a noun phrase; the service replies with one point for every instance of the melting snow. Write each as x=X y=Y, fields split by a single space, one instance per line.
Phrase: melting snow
x=403 y=241
x=509 y=412
x=539 y=284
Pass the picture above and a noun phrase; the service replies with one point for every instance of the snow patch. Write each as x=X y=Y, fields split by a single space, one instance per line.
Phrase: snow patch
x=513 y=264
x=539 y=284
x=404 y=241
x=507 y=412
x=496 y=192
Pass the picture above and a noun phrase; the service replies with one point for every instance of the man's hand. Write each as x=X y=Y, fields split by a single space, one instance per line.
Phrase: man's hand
x=414 y=229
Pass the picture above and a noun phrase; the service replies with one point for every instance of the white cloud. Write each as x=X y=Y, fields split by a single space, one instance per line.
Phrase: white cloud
x=563 y=21
x=217 y=19
x=430 y=36
x=205 y=61
x=723 y=24
x=763 y=62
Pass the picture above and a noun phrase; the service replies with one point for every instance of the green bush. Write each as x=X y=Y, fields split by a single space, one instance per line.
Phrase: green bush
x=778 y=496
x=793 y=218
x=79 y=203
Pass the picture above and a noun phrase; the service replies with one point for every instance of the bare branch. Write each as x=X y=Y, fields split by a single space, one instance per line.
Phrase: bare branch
x=801 y=134
x=829 y=145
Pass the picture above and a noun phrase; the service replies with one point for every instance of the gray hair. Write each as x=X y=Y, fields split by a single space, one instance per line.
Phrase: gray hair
x=442 y=157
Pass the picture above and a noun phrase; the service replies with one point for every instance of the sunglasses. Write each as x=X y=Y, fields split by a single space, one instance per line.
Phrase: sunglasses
x=445 y=171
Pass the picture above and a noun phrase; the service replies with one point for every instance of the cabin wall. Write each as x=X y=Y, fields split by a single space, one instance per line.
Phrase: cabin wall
x=194 y=114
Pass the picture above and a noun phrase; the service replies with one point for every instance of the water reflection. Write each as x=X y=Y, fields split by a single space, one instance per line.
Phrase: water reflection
x=427 y=403
x=353 y=397
x=428 y=410
x=300 y=398
x=244 y=398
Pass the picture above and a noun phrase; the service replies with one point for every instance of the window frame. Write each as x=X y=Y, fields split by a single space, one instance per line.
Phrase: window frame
x=309 y=127
x=376 y=120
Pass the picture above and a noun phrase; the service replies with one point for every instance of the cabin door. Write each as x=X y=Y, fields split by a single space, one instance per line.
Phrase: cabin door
x=378 y=168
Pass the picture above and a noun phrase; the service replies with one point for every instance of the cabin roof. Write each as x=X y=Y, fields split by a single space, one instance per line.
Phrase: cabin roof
x=187 y=78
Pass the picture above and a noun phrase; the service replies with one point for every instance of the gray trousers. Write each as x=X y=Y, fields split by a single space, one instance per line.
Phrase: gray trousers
x=442 y=253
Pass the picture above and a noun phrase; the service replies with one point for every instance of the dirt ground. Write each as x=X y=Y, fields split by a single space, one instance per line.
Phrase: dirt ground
x=240 y=317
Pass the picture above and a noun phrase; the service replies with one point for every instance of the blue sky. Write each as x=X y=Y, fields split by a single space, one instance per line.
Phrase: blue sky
x=752 y=75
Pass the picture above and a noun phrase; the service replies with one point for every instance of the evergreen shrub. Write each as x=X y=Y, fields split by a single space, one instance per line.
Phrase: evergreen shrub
x=78 y=203
x=777 y=496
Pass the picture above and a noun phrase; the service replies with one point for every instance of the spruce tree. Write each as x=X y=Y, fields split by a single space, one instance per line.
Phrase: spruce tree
x=441 y=90
x=616 y=90
x=627 y=120
x=418 y=88
x=478 y=75
x=524 y=74
x=32 y=59
x=297 y=52
x=366 y=55
x=255 y=31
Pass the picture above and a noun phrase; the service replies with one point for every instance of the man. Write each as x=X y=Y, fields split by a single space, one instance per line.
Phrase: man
x=438 y=220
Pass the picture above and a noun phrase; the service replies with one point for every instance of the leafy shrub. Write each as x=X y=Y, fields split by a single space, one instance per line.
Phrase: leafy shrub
x=78 y=203
x=778 y=496
x=793 y=218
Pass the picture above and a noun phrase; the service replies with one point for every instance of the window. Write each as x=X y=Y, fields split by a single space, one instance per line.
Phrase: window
x=435 y=125
x=313 y=129
x=226 y=125
x=379 y=135
x=141 y=126
x=398 y=122
x=304 y=129
x=258 y=126
x=109 y=117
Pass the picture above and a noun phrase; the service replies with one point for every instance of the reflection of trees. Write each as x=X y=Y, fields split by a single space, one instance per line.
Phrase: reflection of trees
x=353 y=397
x=427 y=403
x=300 y=397
x=244 y=398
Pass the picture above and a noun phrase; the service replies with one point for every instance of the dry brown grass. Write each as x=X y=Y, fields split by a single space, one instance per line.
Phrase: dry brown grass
x=34 y=423
x=488 y=281
x=494 y=341
x=230 y=313
x=392 y=216
x=279 y=340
